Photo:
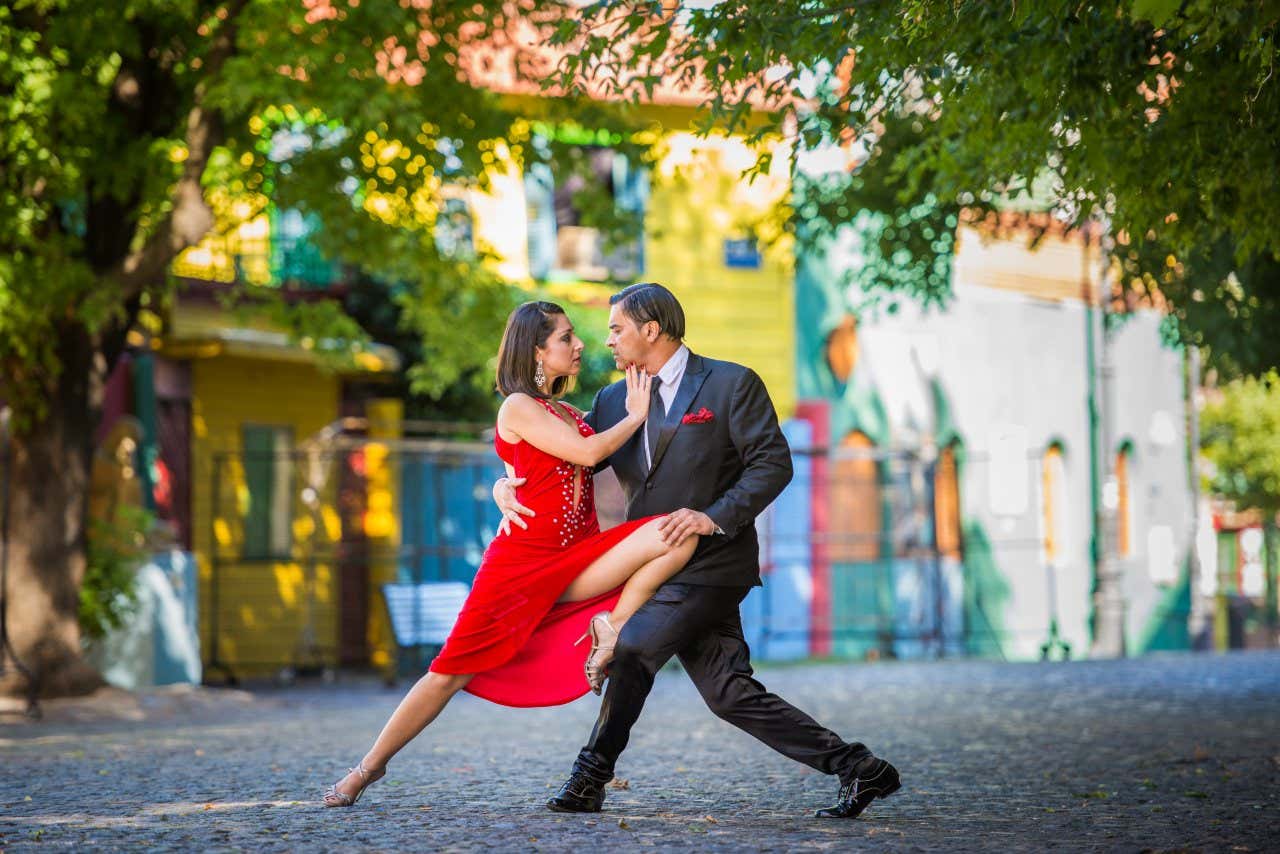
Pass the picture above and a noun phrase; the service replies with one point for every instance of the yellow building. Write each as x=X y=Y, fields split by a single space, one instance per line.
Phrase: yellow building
x=710 y=235
x=279 y=522
x=738 y=289
x=285 y=534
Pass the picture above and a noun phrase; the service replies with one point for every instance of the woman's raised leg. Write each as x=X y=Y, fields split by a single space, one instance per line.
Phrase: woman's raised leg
x=642 y=562
x=424 y=702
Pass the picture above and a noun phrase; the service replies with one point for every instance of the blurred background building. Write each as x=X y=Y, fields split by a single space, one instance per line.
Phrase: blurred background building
x=964 y=473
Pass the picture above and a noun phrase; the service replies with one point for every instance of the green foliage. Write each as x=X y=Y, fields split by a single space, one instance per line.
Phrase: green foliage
x=133 y=129
x=905 y=236
x=460 y=325
x=591 y=324
x=117 y=546
x=1160 y=118
x=1240 y=432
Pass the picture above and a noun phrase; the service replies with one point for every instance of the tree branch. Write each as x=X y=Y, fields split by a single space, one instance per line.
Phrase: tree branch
x=191 y=219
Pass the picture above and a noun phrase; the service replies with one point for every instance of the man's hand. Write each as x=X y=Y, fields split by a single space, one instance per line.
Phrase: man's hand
x=504 y=495
x=676 y=527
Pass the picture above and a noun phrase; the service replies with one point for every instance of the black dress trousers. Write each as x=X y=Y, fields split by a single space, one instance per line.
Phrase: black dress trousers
x=701 y=625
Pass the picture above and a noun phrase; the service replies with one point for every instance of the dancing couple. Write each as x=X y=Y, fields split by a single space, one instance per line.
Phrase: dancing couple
x=696 y=447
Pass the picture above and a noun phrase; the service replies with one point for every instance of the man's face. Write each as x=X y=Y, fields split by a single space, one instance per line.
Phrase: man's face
x=626 y=339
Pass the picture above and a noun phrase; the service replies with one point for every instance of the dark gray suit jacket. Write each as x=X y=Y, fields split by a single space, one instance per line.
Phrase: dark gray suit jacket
x=729 y=467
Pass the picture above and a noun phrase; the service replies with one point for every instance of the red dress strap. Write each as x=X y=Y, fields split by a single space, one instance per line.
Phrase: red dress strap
x=549 y=404
x=559 y=408
x=507 y=450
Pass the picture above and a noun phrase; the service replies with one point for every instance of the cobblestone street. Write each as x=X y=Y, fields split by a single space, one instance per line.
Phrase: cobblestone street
x=1158 y=753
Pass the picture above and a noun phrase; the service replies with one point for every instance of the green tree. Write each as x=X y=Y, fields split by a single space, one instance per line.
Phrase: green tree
x=1241 y=438
x=1160 y=117
x=131 y=128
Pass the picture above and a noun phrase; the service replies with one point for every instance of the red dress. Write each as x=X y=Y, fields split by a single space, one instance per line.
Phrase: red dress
x=511 y=633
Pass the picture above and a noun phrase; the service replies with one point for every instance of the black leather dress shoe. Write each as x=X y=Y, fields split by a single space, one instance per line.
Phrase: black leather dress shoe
x=879 y=781
x=578 y=794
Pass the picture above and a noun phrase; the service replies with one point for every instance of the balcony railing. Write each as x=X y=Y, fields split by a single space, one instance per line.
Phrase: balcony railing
x=275 y=250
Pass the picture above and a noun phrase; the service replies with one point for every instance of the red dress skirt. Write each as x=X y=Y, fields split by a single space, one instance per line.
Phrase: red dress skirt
x=511 y=632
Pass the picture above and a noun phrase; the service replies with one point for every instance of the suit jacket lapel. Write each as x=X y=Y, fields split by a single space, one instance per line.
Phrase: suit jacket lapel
x=695 y=374
x=633 y=448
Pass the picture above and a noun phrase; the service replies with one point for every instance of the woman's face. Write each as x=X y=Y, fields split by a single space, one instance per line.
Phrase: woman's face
x=562 y=355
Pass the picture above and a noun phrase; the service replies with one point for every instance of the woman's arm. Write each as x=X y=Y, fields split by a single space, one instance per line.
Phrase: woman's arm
x=526 y=418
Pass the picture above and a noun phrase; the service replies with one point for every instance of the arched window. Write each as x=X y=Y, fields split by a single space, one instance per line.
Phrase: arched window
x=1053 y=504
x=1124 y=522
x=855 y=501
x=842 y=349
x=946 y=503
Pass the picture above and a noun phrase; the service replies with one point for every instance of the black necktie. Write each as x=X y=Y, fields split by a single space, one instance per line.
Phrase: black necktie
x=657 y=414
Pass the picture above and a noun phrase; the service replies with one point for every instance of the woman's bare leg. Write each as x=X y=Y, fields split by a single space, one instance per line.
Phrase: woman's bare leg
x=642 y=561
x=424 y=702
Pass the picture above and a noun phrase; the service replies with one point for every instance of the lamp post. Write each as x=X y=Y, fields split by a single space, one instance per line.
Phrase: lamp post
x=1108 y=590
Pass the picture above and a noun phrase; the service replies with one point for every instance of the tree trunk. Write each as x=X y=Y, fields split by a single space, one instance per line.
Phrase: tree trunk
x=47 y=499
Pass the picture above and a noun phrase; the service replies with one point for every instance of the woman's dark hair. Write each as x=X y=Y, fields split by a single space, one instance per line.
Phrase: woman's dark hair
x=651 y=301
x=529 y=326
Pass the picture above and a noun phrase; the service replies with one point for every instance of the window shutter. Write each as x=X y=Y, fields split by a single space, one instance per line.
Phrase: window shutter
x=259 y=447
x=631 y=193
x=539 y=189
x=282 y=492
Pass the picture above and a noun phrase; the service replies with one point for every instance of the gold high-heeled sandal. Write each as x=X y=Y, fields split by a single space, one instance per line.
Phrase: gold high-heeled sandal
x=602 y=643
x=334 y=798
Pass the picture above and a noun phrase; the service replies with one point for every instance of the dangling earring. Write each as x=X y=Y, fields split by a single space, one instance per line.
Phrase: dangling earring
x=539 y=377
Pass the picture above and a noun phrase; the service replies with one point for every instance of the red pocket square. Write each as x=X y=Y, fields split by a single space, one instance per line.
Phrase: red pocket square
x=702 y=416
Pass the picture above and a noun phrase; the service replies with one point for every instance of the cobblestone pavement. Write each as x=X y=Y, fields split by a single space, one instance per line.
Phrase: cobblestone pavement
x=1179 y=752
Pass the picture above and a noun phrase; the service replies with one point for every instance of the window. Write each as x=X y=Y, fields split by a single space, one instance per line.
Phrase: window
x=268 y=474
x=294 y=256
x=453 y=229
x=842 y=349
x=946 y=503
x=855 y=501
x=1053 y=505
x=560 y=245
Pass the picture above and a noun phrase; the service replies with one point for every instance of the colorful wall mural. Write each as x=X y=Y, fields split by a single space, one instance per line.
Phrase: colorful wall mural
x=991 y=396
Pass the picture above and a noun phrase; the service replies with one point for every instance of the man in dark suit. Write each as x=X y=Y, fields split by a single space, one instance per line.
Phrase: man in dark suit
x=711 y=442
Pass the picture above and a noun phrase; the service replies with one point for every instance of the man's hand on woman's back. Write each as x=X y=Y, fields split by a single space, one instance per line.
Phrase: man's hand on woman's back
x=504 y=495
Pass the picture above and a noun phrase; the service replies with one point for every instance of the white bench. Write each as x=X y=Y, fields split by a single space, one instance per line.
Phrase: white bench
x=422 y=615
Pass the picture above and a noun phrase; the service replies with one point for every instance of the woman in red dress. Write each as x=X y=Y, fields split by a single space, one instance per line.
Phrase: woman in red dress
x=541 y=588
